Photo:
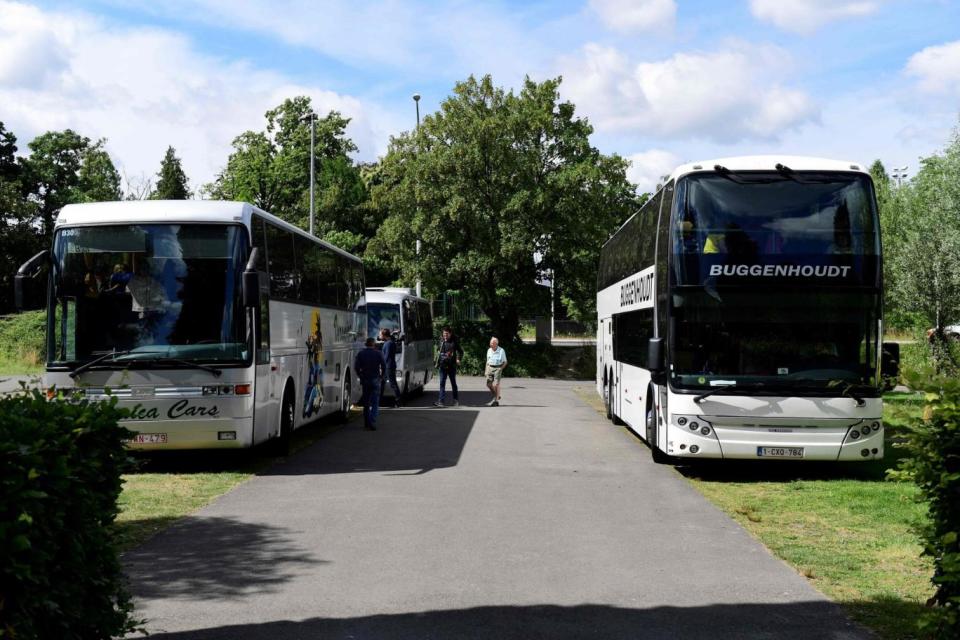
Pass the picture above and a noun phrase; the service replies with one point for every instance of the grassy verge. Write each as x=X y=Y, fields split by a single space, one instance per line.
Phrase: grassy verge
x=844 y=527
x=22 y=343
x=171 y=486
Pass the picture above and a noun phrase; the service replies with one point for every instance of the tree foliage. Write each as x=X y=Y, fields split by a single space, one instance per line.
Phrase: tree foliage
x=172 y=183
x=271 y=169
x=489 y=181
x=921 y=225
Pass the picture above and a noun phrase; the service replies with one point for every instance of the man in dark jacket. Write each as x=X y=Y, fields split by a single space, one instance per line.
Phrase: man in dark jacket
x=370 y=367
x=389 y=350
x=448 y=359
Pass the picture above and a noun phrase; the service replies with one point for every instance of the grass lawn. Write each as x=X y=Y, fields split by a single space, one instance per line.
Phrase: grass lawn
x=844 y=527
x=171 y=486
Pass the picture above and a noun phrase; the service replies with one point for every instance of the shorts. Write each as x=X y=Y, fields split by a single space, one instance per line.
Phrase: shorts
x=494 y=374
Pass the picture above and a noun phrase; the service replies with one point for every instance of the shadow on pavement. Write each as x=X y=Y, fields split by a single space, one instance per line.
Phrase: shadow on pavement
x=409 y=441
x=801 y=620
x=223 y=559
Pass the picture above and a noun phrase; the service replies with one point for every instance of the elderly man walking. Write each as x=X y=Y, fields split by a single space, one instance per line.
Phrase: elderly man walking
x=496 y=363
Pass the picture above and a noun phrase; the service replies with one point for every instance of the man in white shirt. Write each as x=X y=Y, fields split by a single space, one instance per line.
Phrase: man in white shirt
x=496 y=363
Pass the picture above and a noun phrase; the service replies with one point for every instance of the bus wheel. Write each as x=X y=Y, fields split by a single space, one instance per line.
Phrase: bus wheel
x=610 y=412
x=345 y=400
x=658 y=456
x=281 y=444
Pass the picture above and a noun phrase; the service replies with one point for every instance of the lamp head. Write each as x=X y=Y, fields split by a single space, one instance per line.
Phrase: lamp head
x=416 y=97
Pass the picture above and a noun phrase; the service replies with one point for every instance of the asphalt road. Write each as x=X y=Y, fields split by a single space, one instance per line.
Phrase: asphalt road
x=535 y=519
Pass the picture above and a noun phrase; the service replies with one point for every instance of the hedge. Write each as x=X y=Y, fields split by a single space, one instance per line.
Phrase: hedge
x=934 y=464
x=60 y=466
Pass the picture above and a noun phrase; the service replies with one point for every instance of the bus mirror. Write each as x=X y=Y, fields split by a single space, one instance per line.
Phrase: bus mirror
x=890 y=363
x=27 y=293
x=655 y=359
x=251 y=289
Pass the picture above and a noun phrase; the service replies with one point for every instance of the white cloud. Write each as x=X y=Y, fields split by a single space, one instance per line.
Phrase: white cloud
x=630 y=16
x=144 y=89
x=727 y=95
x=937 y=69
x=806 y=16
x=648 y=167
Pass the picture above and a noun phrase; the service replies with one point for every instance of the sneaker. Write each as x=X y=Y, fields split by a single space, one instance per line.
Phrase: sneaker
x=492 y=403
x=438 y=404
x=456 y=403
x=496 y=403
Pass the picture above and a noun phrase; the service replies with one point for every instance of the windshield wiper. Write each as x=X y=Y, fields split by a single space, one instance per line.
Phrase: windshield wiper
x=187 y=363
x=737 y=386
x=849 y=389
x=92 y=363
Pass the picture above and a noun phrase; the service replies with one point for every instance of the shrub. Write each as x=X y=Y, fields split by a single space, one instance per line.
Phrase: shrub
x=934 y=464
x=60 y=466
x=23 y=340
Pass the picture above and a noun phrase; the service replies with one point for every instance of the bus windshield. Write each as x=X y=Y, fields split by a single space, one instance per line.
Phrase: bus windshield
x=153 y=291
x=382 y=316
x=813 y=338
x=802 y=227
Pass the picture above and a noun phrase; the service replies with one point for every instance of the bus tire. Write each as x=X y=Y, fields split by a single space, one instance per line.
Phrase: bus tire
x=613 y=415
x=343 y=414
x=281 y=444
x=659 y=457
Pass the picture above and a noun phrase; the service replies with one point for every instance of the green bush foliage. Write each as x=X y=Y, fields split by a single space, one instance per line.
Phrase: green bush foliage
x=934 y=464
x=60 y=467
x=22 y=340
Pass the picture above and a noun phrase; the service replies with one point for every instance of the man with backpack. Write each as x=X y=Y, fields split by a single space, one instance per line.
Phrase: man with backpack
x=448 y=359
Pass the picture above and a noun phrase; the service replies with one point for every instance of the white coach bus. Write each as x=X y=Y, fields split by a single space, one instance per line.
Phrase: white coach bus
x=740 y=313
x=218 y=324
x=410 y=321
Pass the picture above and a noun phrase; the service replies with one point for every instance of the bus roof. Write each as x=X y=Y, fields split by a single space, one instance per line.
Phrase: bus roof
x=390 y=294
x=767 y=163
x=174 y=212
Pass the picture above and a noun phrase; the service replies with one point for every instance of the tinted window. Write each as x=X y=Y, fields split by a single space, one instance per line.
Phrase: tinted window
x=280 y=256
x=631 y=333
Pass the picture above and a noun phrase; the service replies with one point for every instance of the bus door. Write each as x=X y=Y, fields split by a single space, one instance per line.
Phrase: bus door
x=265 y=421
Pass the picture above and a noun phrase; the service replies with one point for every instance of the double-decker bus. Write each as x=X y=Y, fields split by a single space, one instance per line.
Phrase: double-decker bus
x=410 y=321
x=740 y=313
x=216 y=323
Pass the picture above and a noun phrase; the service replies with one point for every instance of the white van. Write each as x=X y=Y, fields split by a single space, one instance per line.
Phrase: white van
x=410 y=320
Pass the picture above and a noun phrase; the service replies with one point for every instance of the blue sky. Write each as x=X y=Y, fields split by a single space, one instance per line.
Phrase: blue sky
x=663 y=81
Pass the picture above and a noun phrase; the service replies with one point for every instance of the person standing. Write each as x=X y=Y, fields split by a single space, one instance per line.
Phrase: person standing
x=389 y=350
x=370 y=367
x=496 y=363
x=448 y=359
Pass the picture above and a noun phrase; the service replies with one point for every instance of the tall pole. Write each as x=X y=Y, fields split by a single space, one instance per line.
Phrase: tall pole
x=416 y=101
x=313 y=127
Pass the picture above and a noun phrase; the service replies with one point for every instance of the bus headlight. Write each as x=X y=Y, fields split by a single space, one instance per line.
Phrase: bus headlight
x=694 y=425
x=854 y=434
x=705 y=431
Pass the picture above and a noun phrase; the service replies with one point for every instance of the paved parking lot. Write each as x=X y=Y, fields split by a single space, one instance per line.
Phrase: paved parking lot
x=535 y=519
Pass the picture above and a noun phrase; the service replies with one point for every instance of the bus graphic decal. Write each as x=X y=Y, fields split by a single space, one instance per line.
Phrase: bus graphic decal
x=313 y=389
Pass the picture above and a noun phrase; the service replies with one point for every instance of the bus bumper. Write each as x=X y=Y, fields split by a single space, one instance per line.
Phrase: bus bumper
x=178 y=435
x=856 y=440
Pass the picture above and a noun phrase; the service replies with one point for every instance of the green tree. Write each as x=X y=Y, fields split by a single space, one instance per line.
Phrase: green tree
x=172 y=182
x=18 y=239
x=489 y=181
x=925 y=257
x=64 y=168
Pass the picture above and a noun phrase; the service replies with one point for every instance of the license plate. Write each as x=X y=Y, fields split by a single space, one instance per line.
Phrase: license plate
x=149 y=438
x=780 y=452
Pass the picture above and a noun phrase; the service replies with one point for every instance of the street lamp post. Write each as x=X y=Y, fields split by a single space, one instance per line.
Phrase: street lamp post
x=416 y=101
x=312 y=117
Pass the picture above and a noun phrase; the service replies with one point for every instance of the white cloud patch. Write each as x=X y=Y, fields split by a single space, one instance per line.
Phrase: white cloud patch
x=728 y=95
x=630 y=16
x=145 y=89
x=937 y=69
x=647 y=168
x=806 y=16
